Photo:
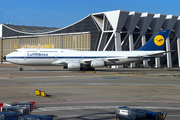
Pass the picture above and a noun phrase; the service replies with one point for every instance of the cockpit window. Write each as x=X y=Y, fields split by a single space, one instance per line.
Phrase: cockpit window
x=16 y=51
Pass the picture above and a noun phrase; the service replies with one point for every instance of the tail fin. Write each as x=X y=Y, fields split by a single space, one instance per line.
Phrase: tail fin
x=157 y=42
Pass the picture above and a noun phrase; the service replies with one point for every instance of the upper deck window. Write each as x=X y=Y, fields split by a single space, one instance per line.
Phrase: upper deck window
x=49 y=51
x=31 y=51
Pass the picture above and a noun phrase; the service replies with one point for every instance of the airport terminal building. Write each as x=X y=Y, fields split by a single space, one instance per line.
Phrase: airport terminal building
x=106 y=31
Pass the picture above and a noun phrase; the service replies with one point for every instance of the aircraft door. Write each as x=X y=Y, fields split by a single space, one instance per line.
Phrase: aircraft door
x=56 y=57
x=38 y=51
x=82 y=56
x=25 y=55
x=38 y=60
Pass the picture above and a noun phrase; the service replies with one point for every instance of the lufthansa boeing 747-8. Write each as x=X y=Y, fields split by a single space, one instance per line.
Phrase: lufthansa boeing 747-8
x=84 y=60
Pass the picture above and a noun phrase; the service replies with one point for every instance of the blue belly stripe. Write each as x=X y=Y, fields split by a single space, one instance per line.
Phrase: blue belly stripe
x=53 y=57
x=64 y=57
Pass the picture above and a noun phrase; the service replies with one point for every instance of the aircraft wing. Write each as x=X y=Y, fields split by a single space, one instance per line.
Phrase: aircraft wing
x=85 y=61
x=114 y=59
x=63 y=62
x=104 y=59
x=59 y=62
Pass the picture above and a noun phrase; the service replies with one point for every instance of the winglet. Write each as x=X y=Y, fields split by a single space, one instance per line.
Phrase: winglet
x=157 y=42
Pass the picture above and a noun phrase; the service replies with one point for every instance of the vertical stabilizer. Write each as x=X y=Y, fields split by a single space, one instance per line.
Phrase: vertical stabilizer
x=157 y=42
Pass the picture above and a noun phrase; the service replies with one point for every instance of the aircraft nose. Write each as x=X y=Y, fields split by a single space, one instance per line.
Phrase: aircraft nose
x=4 y=58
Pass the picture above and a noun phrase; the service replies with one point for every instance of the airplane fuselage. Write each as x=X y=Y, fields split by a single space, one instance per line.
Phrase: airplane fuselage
x=48 y=56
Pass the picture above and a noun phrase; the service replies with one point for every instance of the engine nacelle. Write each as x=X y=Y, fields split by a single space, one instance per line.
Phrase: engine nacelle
x=74 y=65
x=97 y=63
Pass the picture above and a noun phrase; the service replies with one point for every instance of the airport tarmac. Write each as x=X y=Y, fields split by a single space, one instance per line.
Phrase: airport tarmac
x=74 y=95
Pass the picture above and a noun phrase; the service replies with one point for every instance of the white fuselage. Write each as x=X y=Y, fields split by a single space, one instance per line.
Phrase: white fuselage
x=50 y=56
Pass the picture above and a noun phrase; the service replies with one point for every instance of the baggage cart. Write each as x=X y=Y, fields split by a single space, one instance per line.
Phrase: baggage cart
x=28 y=107
x=155 y=115
x=35 y=117
x=126 y=113
x=17 y=110
x=8 y=116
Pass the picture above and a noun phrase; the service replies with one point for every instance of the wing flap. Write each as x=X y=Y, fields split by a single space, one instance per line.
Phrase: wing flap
x=115 y=58
x=59 y=62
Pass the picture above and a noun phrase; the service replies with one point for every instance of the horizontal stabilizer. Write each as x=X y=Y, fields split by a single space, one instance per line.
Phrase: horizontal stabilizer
x=160 y=54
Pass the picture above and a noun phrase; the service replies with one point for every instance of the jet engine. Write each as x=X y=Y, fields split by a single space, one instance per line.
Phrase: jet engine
x=97 y=63
x=74 y=65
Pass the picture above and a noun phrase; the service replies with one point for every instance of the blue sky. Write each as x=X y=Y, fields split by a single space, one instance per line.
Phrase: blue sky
x=61 y=13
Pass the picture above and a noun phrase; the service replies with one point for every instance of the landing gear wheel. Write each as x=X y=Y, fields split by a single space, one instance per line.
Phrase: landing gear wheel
x=92 y=69
x=81 y=69
x=87 y=69
x=21 y=69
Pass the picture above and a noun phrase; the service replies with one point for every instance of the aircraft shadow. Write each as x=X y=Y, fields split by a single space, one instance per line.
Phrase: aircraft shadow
x=95 y=116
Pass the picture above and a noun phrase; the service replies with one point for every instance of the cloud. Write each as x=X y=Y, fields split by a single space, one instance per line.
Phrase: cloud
x=12 y=13
x=21 y=18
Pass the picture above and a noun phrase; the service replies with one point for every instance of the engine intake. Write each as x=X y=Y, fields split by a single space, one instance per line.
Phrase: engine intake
x=74 y=65
x=97 y=63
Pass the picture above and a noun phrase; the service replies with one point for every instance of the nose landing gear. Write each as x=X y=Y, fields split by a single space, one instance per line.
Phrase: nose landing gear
x=20 y=68
x=4 y=58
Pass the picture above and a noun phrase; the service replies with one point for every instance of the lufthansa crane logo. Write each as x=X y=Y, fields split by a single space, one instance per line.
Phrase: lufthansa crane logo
x=15 y=46
x=159 y=40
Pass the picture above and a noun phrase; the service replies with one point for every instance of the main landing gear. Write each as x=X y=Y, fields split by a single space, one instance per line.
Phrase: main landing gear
x=87 y=68
x=20 y=68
